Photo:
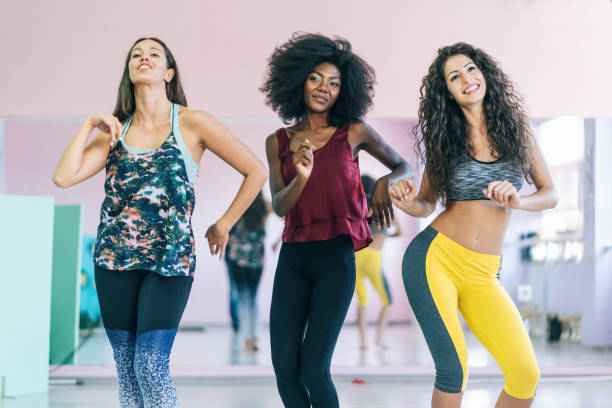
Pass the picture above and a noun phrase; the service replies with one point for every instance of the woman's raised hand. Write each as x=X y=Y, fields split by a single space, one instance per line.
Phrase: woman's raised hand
x=303 y=159
x=504 y=194
x=402 y=192
x=107 y=124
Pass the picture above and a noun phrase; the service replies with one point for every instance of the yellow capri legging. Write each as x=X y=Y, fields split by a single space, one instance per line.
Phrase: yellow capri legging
x=368 y=263
x=441 y=277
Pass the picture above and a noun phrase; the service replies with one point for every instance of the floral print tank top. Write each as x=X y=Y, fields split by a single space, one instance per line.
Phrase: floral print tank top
x=145 y=220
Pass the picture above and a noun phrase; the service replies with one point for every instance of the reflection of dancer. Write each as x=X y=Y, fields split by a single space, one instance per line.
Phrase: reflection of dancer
x=314 y=177
x=245 y=262
x=368 y=263
x=478 y=148
x=144 y=252
x=89 y=308
x=233 y=293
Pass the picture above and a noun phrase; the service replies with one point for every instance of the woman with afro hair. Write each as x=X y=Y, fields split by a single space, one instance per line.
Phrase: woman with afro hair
x=323 y=89
x=474 y=139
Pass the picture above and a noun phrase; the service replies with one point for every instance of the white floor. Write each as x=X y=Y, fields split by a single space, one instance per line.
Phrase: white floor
x=552 y=393
x=212 y=369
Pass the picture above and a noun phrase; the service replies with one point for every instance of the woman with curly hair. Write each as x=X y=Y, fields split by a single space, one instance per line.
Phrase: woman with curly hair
x=324 y=89
x=474 y=139
x=145 y=251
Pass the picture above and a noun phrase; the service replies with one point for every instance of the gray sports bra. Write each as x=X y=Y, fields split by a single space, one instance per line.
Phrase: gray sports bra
x=471 y=176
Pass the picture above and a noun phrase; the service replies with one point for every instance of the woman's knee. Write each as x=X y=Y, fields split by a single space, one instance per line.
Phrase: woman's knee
x=148 y=365
x=450 y=379
x=152 y=354
x=284 y=366
x=522 y=380
x=123 y=343
x=314 y=374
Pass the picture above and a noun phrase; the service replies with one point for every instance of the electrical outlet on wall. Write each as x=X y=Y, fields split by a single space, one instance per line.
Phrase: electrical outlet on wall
x=523 y=293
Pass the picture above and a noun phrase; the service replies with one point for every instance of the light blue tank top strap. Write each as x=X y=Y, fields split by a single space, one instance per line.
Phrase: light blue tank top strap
x=126 y=125
x=190 y=165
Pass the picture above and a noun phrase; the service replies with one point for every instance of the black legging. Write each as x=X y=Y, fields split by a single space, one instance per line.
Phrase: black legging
x=141 y=311
x=141 y=301
x=313 y=287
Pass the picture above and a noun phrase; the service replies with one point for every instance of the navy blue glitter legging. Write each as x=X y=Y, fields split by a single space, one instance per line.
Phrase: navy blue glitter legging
x=141 y=311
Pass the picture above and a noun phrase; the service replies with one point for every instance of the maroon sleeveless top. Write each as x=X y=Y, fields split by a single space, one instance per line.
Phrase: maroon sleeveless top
x=333 y=202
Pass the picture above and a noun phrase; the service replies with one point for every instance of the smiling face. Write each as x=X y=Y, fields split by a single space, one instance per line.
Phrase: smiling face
x=148 y=63
x=464 y=80
x=322 y=87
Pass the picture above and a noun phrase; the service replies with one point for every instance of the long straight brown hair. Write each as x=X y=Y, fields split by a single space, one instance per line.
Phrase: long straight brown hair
x=126 y=104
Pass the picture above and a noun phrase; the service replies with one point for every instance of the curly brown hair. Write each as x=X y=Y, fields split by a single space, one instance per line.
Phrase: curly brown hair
x=441 y=133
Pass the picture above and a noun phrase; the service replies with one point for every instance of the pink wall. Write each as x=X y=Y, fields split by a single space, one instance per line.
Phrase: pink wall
x=64 y=58
x=34 y=147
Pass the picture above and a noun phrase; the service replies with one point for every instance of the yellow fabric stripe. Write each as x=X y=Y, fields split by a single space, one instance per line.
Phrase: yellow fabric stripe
x=368 y=263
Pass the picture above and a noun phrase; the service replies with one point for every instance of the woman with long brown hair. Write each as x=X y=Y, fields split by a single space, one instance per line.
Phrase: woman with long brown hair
x=151 y=146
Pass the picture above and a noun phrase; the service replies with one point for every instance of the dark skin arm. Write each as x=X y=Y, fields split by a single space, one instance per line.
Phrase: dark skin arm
x=284 y=197
x=363 y=137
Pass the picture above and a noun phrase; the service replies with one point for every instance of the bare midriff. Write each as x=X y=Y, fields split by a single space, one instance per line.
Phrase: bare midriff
x=478 y=225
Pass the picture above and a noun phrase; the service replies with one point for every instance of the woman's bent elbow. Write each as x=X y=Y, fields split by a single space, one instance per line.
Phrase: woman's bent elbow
x=60 y=182
x=260 y=174
x=555 y=199
x=279 y=212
